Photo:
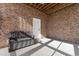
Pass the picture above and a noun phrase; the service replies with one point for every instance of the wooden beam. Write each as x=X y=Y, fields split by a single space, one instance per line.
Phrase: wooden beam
x=49 y=7
x=38 y=5
x=42 y=5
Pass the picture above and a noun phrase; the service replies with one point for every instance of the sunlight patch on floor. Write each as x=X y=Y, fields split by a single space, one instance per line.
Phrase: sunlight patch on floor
x=54 y=43
x=44 y=40
x=67 y=48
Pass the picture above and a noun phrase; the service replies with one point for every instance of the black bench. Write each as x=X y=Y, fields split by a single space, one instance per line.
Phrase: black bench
x=20 y=39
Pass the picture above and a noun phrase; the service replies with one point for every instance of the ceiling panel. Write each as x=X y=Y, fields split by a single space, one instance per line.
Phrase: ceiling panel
x=48 y=8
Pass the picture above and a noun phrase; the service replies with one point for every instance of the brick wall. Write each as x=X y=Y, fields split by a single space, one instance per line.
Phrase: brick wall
x=18 y=17
x=64 y=24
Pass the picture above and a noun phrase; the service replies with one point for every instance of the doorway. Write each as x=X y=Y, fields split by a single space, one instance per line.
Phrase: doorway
x=37 y=28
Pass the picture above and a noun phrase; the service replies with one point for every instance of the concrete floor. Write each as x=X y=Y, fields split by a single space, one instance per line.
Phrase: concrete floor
x=48 y=47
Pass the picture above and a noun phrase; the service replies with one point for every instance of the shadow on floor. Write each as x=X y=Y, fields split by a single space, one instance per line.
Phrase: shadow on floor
x=13 y=53
x=35 y=49
x=41 y=46
x=76 y=50
x=57 y=48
